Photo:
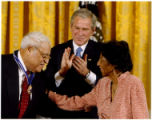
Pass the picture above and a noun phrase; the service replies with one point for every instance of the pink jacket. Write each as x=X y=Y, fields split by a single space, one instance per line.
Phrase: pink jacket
x=129 y=101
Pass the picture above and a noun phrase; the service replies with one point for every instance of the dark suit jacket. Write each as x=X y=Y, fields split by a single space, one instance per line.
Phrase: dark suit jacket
x=10 y=90
x=73 y=83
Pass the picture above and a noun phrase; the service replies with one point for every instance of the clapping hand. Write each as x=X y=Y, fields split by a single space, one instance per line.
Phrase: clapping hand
x=81 y=65
x=66 y=62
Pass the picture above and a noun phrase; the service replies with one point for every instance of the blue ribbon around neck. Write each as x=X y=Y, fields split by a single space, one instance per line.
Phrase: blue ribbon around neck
x=22 y=68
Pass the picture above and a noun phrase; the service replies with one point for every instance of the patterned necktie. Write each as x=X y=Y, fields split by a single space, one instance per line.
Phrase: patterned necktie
x=24 y=99
x=78 y=51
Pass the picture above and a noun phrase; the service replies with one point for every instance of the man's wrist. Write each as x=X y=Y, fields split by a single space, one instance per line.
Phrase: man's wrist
x=62 y=72
x=87 y=75
x=91 y=78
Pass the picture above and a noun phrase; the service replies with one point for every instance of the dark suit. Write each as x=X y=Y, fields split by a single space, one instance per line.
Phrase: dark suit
x=73 y=83
x=10 y=90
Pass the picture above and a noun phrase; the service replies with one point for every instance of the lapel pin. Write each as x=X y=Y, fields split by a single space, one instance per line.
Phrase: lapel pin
x=89 y=59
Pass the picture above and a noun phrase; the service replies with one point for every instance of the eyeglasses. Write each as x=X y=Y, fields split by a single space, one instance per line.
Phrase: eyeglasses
x=44 y=56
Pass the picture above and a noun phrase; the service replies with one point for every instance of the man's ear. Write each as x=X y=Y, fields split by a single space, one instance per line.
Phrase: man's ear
x=93 y=29
x=29 y=49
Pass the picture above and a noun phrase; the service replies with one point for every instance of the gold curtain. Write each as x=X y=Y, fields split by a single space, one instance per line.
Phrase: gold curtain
x=129 y=21
x=15 y=22
x=4 y=28
x=50 y=18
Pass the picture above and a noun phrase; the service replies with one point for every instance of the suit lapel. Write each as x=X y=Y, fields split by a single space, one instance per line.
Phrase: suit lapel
x=13 y=83
x=88 y=49
x=71 y=46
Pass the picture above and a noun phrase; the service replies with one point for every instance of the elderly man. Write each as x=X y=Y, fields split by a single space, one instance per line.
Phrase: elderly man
x=78 y=74
x=21 y=90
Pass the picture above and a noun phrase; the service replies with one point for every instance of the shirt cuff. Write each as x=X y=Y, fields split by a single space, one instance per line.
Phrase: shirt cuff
x=58 y=79
x=91 y=78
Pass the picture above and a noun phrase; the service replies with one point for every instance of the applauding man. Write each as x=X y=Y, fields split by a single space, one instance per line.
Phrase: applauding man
x=73 y=65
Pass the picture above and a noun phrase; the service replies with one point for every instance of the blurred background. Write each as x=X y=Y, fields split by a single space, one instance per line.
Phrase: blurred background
x=129 y=21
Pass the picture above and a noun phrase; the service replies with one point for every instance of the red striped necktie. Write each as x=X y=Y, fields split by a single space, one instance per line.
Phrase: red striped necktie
x=24 y=99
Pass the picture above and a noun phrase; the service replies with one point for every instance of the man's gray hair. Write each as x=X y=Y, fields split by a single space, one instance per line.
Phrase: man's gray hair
x=84 y=13
x=34 y=39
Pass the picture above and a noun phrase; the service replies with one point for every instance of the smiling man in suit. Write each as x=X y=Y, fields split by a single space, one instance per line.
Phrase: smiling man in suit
x=73 y=65
x=21 y=87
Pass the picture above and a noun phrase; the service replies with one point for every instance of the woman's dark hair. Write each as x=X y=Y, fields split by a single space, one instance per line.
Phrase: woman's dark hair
x=117 y=53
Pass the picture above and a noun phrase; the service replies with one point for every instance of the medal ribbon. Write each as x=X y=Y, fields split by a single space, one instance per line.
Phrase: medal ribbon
x=22 y=68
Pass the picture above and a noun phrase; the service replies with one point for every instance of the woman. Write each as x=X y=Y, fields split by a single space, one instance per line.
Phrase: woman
x=119 y=94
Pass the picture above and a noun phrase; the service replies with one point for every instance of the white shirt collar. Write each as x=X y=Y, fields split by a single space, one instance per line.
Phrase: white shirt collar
x=21 y=74
x=75 y=46
x=21 y=60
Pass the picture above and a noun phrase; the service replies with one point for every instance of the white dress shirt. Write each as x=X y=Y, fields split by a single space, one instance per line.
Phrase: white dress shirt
x=21 y=75
x=91 y=79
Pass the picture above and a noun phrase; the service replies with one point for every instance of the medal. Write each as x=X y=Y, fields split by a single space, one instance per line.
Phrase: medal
x=29 y=90
x=29 y=78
